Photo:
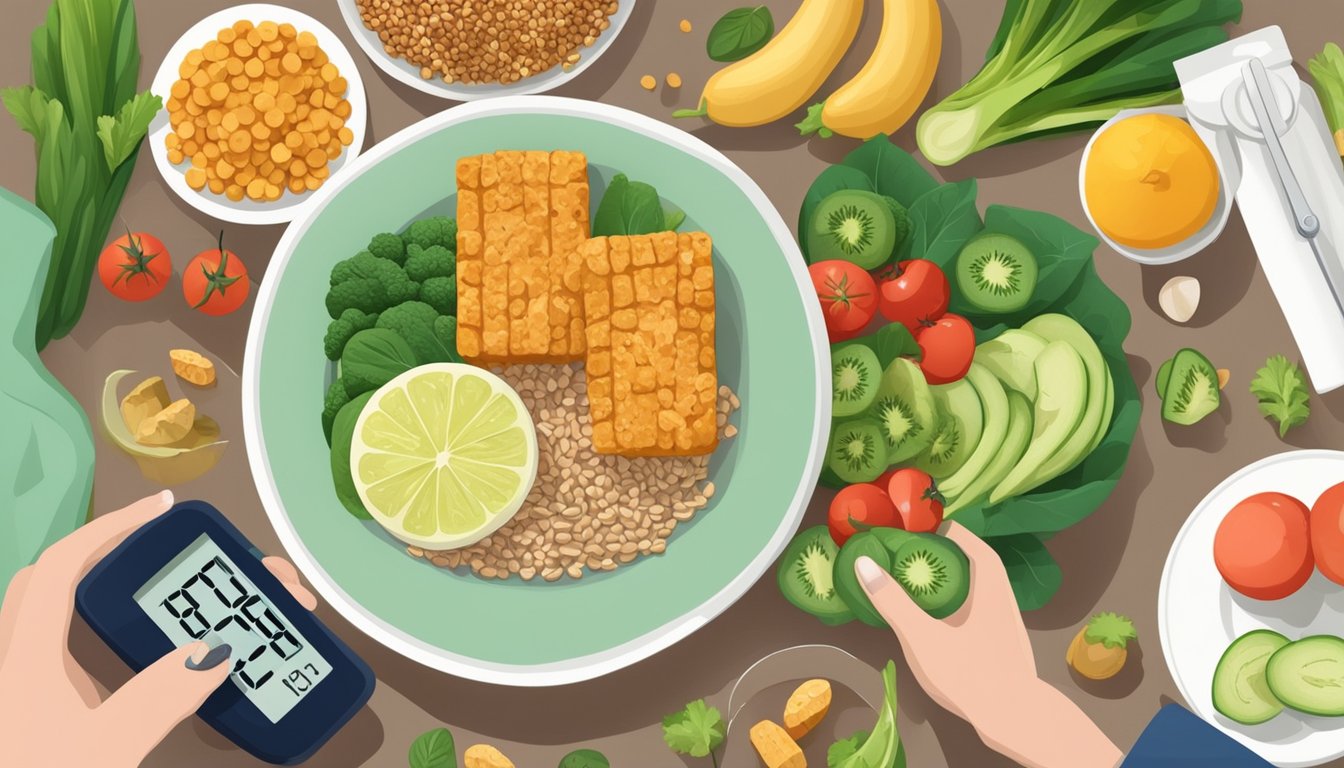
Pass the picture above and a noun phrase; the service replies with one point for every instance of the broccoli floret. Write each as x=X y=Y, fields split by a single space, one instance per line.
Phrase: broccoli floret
x=417 y=324
x=436 y=230
x=336 y=399
x=445 y=330
x=340 y=330
x=369 y=284
x=441 y=294
x=434 y=261
x=388 y=246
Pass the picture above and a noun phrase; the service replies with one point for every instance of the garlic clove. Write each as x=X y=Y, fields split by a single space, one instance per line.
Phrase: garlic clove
x=1179 y=298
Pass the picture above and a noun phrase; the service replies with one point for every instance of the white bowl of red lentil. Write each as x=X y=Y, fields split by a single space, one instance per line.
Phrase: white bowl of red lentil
x=559 y=58
x=349 y=108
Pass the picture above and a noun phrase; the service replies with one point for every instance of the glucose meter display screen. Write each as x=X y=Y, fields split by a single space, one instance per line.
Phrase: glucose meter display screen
x=203 y=595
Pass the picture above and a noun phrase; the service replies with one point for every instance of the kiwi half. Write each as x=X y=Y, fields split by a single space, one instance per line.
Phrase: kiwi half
x=857 y=453
x=853 y=225
x=996 y=273
x=1190 y=386
x=934 y=572
x=904 y=410
x=854 y=377
x=806 y=576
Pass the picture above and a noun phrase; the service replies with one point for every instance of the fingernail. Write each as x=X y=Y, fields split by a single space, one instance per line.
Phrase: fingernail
x=166 y=499
x=870 y=573
x=211 y=658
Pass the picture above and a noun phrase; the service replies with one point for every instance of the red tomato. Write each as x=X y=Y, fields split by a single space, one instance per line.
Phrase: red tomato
x=135 y=266
x=215 y=282
x=916 y=499
x=1263 y=546
x=863 y=503
x=914 y=293
x=1327 y=533
x=948 y=346
x=848 y=297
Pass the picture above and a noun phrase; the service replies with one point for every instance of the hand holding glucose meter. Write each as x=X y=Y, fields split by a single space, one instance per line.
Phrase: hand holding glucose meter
x=191 y=575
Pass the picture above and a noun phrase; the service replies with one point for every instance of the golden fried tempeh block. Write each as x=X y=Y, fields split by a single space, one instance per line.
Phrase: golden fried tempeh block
x=521 y=218
x=652 y=374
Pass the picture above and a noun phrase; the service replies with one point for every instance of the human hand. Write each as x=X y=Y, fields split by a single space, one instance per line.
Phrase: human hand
x=50 y=710
x=978 y=664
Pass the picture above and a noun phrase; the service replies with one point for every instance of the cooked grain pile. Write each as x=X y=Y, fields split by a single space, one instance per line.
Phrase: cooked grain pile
x=486 y=41
x=586 y=510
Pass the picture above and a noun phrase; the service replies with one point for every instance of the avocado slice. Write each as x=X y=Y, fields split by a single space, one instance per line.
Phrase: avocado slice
x=1240 y=691
x=1054 y=327
x=1014 y=445
x=961 y=421
x=1308 y=675
x=1061 y=400
x=1010 y=357
x=990 y=393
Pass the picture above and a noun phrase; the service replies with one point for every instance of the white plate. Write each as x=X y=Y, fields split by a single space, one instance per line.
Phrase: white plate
x=1191 y=245
x=404 y=72
x=1199 y=615
x=248 y=211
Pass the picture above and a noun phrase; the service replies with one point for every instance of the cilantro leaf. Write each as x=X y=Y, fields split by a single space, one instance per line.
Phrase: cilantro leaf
x=121 y=135
x=845 y=749
x=1281 y=389
x=697 y=730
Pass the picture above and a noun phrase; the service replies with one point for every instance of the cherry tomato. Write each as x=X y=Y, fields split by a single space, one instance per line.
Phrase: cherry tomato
x=864 y=503
x=848 y=297
x=135 y=267
x=948 y=346
x=914 y=293
x=916 y=500
x=1263 y=546
x=215 y=282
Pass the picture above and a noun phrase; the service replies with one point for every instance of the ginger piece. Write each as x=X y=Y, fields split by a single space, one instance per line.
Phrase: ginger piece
x=776 y=748
x=148 y=398
x=168 y=426
x=192 y=367
x=485 y=756
x=807 y=707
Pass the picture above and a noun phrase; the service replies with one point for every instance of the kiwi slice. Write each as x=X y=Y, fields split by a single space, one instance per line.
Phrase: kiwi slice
x=863 y=544
x=934 y=572
x=1191 y=388
x=854 y=377
x=853 y=225
x=806 y=576
x=904 y=410
x=857 y=453
x=960 y=425
x=996 y=273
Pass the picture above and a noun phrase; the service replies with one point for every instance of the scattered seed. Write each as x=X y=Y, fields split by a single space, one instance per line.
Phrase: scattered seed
x=673 y=80
x=648 y=82
x=685 y=25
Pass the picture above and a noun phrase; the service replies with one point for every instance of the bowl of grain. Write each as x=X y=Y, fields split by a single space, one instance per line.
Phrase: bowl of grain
x=475 y=49
x=263 y=106
x=612 y=558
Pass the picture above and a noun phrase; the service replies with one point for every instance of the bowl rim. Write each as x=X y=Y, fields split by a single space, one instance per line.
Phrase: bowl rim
x=290 y=205
x=400 y=70
x=593 y=665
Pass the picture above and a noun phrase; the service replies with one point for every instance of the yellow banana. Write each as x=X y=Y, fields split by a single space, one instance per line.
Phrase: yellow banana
x=782 y=76
x=889 y=88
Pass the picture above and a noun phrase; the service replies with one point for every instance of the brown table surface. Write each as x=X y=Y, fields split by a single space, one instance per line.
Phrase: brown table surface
x=1111 y=561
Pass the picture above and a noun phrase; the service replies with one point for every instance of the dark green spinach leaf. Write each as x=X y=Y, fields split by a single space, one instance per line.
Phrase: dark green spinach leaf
x=892 y=171
x=629 y=208
x=433 y=749
x=740 y=33
x=888 y=343
x=342 y=433
x=942 y=221
x=1032 y=570
x=372 y=358
x=584 y=758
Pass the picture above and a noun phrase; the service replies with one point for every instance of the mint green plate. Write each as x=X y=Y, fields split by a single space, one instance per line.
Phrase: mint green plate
x=771 y=350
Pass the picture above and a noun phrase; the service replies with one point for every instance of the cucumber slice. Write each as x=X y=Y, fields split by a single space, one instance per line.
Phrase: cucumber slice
x=1240 y=691
x=1308 y=675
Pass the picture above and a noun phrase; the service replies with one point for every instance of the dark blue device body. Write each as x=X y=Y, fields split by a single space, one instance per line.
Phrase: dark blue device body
x=105 y=600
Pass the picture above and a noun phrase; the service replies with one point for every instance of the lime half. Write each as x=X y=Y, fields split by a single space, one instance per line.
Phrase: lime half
x=443 y=455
